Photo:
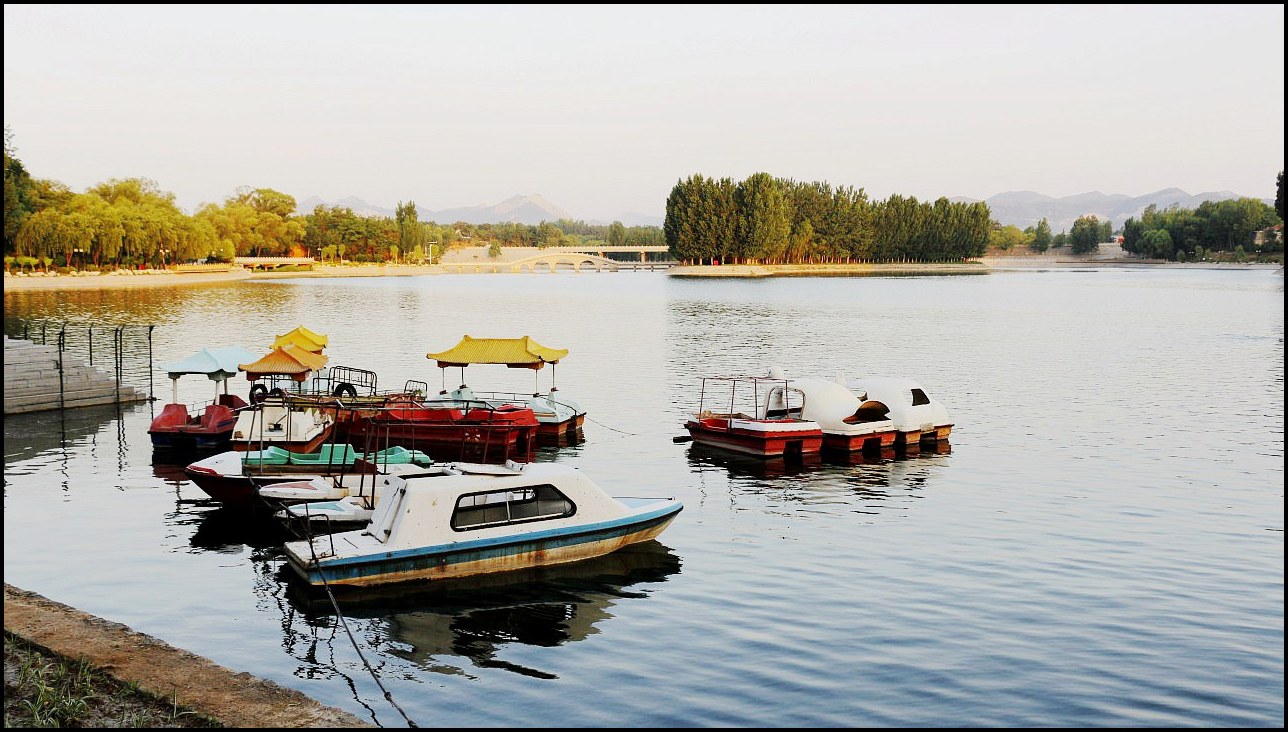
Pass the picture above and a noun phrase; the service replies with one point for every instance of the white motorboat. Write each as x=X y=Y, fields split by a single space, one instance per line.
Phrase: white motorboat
x=481 y=519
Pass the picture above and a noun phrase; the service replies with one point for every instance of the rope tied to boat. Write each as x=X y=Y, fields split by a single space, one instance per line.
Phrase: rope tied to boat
x=336 y=606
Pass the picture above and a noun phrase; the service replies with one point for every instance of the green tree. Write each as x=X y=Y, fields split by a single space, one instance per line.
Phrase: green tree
x=1041 y=237
x=411 y=234
x=1157 y=244
x=18 y=203
x=1086 y=234
x=1006 y=238
x=1279 y=192
x=616 y=234
x=764 y=217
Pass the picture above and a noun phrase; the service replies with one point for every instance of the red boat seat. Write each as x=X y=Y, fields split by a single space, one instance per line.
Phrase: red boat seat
x=172 y=415
x=232 y=401
x=218 y=417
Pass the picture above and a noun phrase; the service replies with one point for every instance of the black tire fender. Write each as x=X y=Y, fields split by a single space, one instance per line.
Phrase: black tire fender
x=258 y=393
x=345 y=390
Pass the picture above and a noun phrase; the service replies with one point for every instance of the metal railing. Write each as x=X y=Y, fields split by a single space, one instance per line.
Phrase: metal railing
x=127 y=347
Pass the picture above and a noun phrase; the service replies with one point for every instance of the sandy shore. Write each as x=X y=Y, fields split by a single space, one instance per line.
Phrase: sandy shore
x=161 y=278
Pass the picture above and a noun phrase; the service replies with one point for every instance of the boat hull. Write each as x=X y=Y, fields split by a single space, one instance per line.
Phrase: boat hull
x=174 y=429
x=466 y=559
x=550 y=431
x=191 y=440
x=766 y=441
x=238 y=490
x=869 y=442
x=312 y=444
x=484 y=440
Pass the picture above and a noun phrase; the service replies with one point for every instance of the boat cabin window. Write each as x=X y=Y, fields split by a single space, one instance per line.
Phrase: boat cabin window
x=919 y=397
x=510 y=506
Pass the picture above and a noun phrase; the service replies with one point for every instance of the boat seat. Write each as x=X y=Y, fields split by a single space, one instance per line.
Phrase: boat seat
x=172 y=415
x=216 y=415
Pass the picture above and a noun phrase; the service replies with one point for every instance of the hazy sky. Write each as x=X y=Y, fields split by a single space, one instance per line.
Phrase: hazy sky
x=602 y=109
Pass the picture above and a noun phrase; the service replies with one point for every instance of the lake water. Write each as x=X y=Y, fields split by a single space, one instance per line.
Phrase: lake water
x=1101 y=546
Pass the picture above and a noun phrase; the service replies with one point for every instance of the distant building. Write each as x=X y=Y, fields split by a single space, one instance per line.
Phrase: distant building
x=1268 y=234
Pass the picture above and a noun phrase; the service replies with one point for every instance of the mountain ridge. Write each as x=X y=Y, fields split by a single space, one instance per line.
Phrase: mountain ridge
x=1026 y=208
x=1010 y=208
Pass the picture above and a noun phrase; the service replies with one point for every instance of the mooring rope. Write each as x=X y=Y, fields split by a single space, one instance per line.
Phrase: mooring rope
x=601 y=424
x=388 y=697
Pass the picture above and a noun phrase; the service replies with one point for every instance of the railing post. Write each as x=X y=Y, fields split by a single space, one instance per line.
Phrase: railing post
x=118 y=342
x=62 y=399
x=152 y=395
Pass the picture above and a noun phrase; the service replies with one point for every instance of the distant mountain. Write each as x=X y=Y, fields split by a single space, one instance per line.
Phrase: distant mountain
x=532 y=209
x=1027 y=208
x=1018 y=208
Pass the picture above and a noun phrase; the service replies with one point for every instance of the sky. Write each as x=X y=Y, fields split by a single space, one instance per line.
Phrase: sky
x=602 y=109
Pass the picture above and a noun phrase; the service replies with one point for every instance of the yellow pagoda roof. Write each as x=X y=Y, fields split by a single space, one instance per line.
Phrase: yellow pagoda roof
x=304 y=338
x=287 y=360
x=513 y=352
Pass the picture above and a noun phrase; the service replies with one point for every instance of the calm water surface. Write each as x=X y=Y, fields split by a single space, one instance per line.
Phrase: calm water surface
x=1101 y=546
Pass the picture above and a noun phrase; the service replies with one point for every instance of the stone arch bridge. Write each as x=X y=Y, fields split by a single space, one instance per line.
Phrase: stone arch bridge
x=556 y=259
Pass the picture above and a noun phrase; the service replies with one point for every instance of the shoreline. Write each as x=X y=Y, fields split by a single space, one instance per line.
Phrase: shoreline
x=235 y=699
x=159 y=278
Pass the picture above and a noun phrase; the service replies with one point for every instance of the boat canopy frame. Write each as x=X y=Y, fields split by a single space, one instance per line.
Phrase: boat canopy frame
x=769 y=384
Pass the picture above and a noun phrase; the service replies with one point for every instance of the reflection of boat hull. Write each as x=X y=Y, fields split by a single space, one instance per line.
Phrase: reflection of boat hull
x=760 y=437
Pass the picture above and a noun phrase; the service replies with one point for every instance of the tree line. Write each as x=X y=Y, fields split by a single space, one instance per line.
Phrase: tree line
x=763 y=219
x=1210 y=231
x=771 y=220
x=1234 y=229
x=133 y=223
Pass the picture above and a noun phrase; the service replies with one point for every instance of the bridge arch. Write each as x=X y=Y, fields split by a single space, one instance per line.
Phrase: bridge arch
x=551 y=262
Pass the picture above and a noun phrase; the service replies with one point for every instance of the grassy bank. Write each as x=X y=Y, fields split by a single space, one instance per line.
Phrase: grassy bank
x=44 y=689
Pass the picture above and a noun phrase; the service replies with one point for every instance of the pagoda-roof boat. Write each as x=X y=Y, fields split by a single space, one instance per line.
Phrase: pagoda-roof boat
x=558 y=417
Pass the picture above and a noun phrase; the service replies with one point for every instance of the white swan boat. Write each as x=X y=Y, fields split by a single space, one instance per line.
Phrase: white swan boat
x=868 y=413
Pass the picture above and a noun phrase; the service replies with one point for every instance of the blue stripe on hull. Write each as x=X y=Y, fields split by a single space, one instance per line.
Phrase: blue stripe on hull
x=487 y=556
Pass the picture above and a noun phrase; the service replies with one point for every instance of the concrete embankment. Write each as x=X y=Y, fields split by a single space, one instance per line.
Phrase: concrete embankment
x=37 y=378
x=235 y=699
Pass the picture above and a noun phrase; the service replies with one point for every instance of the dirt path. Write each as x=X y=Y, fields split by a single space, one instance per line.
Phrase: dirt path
x=235 y=699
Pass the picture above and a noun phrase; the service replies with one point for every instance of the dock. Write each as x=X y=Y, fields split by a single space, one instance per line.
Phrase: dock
x=39 y=377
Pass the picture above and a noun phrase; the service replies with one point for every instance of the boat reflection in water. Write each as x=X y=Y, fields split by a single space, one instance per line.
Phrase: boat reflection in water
x=475 y=618
x=705 y=457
